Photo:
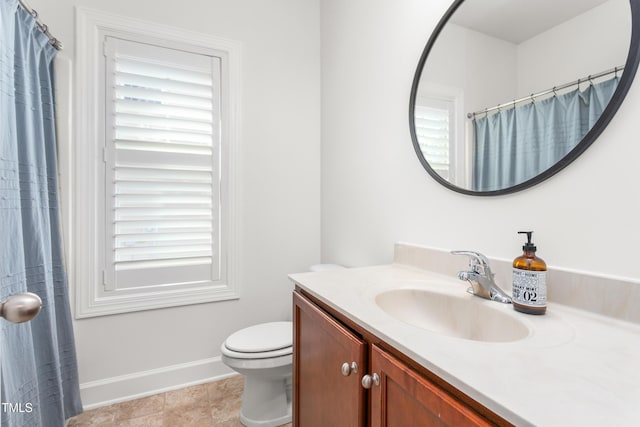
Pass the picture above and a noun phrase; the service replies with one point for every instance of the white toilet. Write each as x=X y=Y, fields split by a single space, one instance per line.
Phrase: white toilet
x=263 y=354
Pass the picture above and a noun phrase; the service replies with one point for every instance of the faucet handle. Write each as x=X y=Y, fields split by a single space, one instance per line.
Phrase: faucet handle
x=476 y=259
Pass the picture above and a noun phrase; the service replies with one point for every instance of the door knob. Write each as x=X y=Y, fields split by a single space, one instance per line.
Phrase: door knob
x=369 y=380
x=21 y=307
x=347 y=369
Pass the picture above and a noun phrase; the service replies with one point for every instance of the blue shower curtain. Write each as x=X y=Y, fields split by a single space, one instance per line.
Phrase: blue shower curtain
x=517 y=144
x=39 y=368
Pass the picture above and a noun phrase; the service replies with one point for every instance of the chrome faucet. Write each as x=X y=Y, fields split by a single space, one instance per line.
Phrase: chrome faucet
x=481 y=278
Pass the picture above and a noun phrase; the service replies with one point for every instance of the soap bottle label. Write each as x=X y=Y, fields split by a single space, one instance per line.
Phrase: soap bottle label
x=530 y=287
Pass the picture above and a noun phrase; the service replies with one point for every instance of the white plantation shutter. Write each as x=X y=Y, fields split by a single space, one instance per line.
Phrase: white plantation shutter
x=433 y=132
x=163 y=171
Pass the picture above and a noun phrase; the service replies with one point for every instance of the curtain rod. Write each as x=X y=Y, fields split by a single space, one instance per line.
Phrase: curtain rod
x=41 y=26
x=546 y=92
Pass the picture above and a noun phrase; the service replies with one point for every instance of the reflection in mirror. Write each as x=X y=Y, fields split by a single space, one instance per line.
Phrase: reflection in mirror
x=508 y=89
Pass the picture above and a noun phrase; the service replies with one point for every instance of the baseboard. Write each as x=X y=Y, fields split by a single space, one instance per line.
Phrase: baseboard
x=146 y=383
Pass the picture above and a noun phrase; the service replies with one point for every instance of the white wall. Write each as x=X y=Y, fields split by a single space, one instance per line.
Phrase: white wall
x=279 y=201
x=566 y=52
x=485 y=68
x=375 y=192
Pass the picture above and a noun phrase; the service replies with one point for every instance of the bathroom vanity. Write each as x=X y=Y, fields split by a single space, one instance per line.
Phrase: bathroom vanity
x=402 y=393
x=402 y=345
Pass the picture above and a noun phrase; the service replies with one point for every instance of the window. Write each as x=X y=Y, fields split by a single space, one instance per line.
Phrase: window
x=433 y=130
x=162 y=166
x=157 y=123
x=441 y=136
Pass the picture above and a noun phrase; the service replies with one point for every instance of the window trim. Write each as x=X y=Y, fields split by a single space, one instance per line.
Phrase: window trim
x=444 y=105
x=91 y=26
x=460 y=164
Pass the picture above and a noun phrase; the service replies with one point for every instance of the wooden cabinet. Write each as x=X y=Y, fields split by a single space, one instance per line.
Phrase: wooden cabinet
x=323 y=395
x=401 y=394
x=404 y=398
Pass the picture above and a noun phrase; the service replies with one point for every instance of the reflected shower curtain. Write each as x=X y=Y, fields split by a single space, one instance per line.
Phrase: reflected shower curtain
x=39 y=368
x=517 y=144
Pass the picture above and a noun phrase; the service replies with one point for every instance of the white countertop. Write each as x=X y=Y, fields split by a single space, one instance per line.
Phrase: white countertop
x=574 y=369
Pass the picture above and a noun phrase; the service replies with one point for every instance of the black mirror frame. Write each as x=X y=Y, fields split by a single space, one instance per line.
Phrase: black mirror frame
x=621 y=91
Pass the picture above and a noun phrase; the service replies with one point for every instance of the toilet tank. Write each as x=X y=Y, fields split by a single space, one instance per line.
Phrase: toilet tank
x=325 y=267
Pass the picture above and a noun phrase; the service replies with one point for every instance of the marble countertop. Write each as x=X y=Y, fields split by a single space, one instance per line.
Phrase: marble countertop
x=574 y=367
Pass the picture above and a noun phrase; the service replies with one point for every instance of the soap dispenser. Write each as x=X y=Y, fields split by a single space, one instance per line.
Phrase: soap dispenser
x=529 y=280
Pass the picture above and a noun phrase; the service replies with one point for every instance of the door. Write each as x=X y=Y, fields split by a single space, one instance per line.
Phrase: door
x=403 y=398
x=328 y=362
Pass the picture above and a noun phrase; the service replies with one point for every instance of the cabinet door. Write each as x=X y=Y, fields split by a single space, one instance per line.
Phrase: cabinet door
x=404 y=398
x=322 y=395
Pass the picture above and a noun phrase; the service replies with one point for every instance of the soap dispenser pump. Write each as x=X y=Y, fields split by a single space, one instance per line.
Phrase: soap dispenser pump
x=529 y=280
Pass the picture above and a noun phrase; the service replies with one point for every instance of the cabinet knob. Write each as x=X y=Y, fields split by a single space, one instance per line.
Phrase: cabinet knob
x=347 y=369
x=369 y=380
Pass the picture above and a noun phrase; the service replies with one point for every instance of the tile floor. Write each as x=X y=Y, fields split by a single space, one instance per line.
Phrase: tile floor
x=215 y=404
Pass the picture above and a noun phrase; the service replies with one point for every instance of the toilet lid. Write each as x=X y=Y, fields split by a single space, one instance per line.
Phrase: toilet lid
x=261 y=338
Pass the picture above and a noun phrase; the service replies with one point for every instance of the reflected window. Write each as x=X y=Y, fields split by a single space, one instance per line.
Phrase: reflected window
x=434 y=132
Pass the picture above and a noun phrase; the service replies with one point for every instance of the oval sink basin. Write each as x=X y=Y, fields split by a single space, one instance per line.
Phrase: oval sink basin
x=460 y=317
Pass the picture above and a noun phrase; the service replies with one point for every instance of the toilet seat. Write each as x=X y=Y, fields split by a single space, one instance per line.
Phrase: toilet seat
x=262 y=355
x=263 y=341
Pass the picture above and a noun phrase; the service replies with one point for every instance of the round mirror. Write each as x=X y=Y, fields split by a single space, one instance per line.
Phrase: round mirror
x=509 y=92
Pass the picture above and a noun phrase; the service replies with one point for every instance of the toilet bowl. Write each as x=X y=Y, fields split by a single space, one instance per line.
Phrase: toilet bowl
x=263 y=354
